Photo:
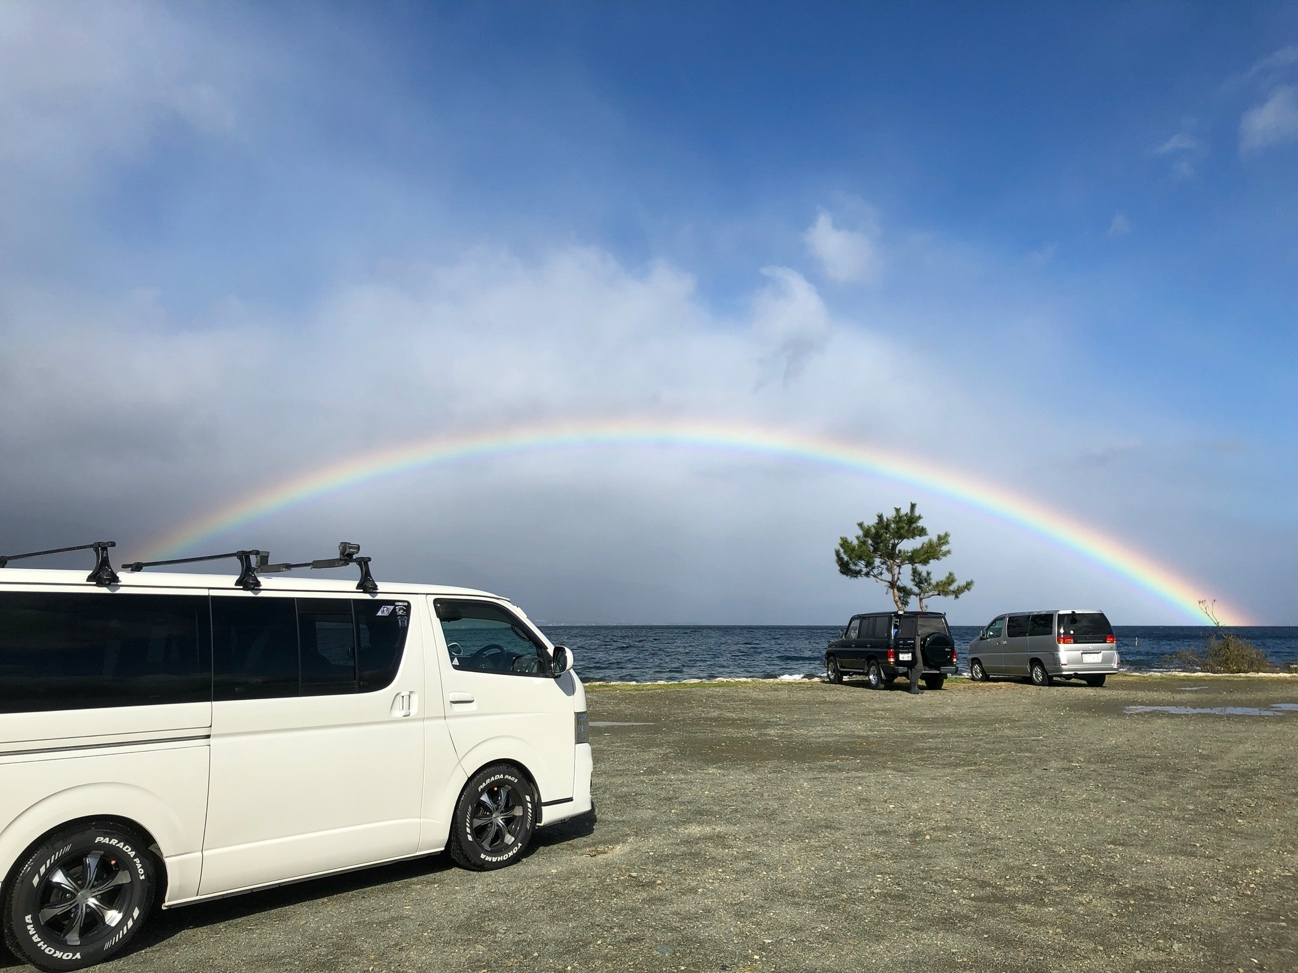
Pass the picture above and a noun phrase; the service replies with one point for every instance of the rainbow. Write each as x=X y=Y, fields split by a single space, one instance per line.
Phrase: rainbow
x=1074 y=536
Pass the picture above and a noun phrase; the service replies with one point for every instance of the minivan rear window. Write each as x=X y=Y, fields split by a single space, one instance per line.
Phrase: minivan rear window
x=1085 y=626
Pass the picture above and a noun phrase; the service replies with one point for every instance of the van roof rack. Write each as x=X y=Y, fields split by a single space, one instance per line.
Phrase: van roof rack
x=103 y=574
x=347 y=552
x=250 y=562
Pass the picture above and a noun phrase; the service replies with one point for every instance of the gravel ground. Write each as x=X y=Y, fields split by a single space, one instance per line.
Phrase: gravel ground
x=803 y=826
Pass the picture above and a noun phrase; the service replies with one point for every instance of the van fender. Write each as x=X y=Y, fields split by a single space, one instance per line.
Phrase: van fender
x=503 y=749
x=135 y=805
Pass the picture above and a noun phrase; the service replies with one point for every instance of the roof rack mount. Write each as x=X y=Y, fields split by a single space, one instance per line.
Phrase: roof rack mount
x=250 y=562
x=102 y=575
x=347 y=552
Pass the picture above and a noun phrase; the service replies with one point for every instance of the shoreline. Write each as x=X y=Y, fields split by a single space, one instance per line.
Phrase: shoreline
x=960 y=679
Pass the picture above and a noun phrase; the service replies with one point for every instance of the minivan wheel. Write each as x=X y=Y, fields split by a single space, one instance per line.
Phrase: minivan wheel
x=1095 y=681
x=976 y=671
x=874 y=675
x=81 y=896
x=1040 y=677
x=835 y=673
x=494 y=819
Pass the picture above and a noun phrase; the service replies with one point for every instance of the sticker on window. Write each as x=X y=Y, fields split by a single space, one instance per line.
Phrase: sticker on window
x=385 y=610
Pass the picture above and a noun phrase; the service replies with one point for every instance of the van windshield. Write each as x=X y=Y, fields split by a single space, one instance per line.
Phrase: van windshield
x=1085 y=626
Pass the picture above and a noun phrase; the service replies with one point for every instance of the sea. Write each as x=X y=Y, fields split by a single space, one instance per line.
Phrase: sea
x=673 y=653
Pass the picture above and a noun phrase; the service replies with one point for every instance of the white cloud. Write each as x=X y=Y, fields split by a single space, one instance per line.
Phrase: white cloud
x=1280 y=61
x=1179 y=143
x=845 y=256
x=1120 y=226
x=1272 y=122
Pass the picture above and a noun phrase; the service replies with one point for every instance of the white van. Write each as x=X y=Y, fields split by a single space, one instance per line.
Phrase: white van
x=171 y=738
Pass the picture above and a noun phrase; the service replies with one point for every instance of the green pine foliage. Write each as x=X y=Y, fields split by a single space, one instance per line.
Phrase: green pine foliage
x=877 y=552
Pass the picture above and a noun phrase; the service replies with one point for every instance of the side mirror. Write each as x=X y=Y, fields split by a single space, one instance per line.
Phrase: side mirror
x=561 y=661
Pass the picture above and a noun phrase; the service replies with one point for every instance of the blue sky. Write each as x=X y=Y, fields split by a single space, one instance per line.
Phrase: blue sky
x=1053 y=246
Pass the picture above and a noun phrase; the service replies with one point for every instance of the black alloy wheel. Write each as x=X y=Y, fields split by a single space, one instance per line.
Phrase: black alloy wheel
x=494 y=818
x=80 y=897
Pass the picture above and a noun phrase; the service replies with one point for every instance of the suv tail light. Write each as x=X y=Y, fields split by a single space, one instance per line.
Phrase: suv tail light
x=892 y=657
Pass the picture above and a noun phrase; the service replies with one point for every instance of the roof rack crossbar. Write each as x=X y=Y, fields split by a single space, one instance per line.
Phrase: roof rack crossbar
x=347 y=552
x=103 y=574
x=248 y=568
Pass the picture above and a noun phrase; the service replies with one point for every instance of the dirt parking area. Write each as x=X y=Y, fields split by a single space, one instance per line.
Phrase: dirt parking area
x=1148 y=825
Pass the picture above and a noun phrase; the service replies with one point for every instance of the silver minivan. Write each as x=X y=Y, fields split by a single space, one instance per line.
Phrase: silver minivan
x=1063 y=643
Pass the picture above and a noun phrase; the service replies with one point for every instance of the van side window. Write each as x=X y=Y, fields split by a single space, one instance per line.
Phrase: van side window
x=381 y=628
x=483 y=637
x=1017 y=626
x=326 y=635
x=78 y=651
x=254 y=648
x=1042 y=624
x=853 y=629
x=995 y=629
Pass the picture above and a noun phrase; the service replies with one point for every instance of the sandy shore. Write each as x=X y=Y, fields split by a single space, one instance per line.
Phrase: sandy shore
x=803 y=826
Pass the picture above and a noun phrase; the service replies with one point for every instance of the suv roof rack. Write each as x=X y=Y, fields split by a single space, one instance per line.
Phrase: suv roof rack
x=248 y=567
x=347 y=552
x=103 y=574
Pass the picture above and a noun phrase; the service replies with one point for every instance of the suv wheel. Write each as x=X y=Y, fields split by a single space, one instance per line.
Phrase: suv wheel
x=934 y=682
x=874 y=675
x=1096 y=681
x=83 y=894
x=1040 y=677
x=835 y=673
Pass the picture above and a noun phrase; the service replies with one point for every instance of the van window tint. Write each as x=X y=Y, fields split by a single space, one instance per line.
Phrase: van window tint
x=1085 y=626
x=381 y=628
x=1017 y=626
x=254 y=648
x=484 y=637
x=327 y=642
x=852 y=629
x=1042 y=624
x=84 y=651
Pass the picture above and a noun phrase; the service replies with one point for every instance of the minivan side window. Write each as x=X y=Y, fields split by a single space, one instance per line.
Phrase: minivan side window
x=483 y=637
x=77 y=651
x=1017 y=626
x=1042 y=624
x=995 y=629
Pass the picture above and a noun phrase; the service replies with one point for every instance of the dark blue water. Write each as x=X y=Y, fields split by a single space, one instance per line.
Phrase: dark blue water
x=649 y=653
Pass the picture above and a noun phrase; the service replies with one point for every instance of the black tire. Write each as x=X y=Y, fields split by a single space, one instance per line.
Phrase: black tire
x=494 y=819
x=1096 y=681
x=835 y=673
x=51 y=920
x=874 y=675
x=1040 y=676
x=934 y=682
x=976 y=671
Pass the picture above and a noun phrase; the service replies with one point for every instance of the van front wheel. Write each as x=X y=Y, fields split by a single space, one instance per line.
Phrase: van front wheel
x=83 y=894
x=1040 y=677
x=976 y=671
x=494 y=819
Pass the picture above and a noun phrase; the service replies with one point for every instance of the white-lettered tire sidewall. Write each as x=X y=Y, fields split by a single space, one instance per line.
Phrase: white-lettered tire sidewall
x=31 y=941
x=465 y=850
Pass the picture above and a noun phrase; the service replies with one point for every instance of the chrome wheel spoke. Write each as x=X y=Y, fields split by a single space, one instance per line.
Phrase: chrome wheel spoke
x=54 y=911
x=73 y=934
x=110 y=917
x=91 y=869
x=59 y=877
x=122 y=877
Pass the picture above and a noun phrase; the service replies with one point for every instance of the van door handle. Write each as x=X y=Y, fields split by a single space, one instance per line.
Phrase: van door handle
x=460 y=697
x=404 y=704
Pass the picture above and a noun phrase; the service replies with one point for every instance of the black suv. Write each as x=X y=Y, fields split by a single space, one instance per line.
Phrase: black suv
x=882 y=646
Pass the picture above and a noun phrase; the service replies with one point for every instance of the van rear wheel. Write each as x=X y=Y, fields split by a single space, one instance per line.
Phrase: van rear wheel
x=81 y=896
x=1040 y=676
x=494 y=819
